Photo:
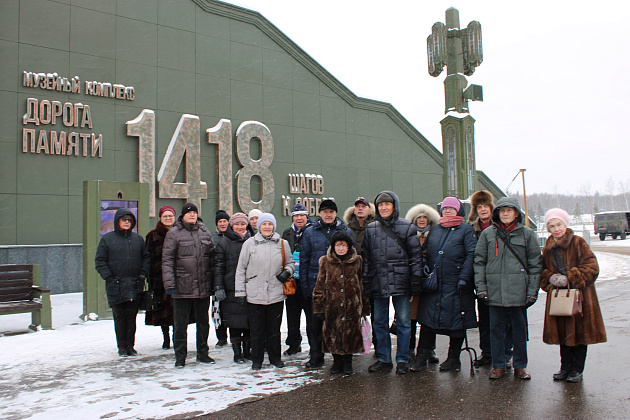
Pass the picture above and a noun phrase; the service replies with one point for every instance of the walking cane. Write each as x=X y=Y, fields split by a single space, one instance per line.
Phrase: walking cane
x=467 y=348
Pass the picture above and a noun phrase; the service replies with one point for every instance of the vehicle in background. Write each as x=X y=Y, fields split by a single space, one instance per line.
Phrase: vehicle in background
x=612 y=223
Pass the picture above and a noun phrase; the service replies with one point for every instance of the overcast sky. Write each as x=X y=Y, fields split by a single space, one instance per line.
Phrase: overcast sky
x=554 y=77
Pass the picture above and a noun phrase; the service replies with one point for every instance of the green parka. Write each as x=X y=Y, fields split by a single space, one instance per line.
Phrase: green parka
x=497 y=271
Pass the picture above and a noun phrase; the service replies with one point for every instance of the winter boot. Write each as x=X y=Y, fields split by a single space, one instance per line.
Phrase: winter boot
x=337 y=366
x=247 y=353
x=420 y=363
x=433 y=357
x=167 y=339
x=347 y=364
x=238 y=354
x=454 y=350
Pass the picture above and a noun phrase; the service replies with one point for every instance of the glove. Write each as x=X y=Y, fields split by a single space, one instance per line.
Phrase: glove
x=559 y=280
x=220 y=295
x=171 y=291
x=283 y=276
x=461 y=284
x=530 y=301
x=415 y=285
x=321 y=317
x=483 y=297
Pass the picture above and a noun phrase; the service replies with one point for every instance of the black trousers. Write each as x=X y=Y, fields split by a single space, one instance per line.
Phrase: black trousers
x=181 y=316
x=239 y=334
x=222 y=333
x=314 y=327
x=295 y=305
x=265 y=321
x=125 y=323
x=573 y=358
x=484 y=328
x=428 y=337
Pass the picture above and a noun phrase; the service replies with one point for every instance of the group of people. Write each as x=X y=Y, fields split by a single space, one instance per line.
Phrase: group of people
x=430 y=266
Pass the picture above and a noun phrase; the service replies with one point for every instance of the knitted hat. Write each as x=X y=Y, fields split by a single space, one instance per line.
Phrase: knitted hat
x=266 y=217
x=341 y=235
x=189 y=207
x=299 y=208
x=254 y=213
x=221 y=214
x=166 y=208
x=451 y=202
x=559 y=214
x=328 y=204
x=384 y=198
x=238 y=217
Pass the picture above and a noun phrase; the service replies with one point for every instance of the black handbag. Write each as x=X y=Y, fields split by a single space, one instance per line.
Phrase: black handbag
x=147 y=301
x=430 y=282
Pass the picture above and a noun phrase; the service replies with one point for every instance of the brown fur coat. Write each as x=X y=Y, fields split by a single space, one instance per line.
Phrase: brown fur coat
x=339 y=295
x=582 y=270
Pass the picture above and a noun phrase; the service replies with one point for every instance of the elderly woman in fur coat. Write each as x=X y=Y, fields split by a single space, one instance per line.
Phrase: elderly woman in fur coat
x=423 y=217
x=339 y=299
x=568 y=262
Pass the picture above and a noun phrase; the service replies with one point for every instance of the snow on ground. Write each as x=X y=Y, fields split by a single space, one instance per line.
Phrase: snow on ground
x=74 y=371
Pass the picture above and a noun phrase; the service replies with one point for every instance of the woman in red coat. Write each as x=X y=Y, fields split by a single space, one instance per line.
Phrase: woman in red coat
x=568 y=262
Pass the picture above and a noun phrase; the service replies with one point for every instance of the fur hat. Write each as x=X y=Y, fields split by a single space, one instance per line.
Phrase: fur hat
x=559 y=214
x=341 y=235
x=423 y=210
x=480 y=197
x=266 y=217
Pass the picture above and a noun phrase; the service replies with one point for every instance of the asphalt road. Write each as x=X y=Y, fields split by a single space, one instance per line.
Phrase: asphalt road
x=604 y=393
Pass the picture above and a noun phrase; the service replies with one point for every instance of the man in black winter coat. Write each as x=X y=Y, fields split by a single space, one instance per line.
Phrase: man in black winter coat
x=296 y=303
x=392 y=266
x=123 y=262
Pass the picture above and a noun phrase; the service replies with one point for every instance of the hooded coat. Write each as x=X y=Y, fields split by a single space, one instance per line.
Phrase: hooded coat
x=353 y=224
x=123 y=262
x=582 y=271
x=442 y=309
x=497 y=271
x=339 y=295
x=387 y=268
x=164 y=314
x=228 y=250
x=314 y=245
x=187 y=260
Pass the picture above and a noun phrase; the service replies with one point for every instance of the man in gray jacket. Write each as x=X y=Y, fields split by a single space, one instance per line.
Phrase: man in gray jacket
x=507 y=277
x=187 y=275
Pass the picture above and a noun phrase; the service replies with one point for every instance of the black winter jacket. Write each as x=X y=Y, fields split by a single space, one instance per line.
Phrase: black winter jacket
x=441 y=310
x=123 y=261
x=187 y=260
x=233 y=310
x=387 y=268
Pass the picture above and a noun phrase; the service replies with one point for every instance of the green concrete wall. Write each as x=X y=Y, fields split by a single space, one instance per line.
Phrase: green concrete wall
x=196 y=57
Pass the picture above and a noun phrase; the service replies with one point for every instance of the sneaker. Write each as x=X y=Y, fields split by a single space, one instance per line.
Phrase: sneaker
x=292 y=350
x=221 y=343
x=381 y=366
x=401 y=368
x=205 y=359
x=179 y=364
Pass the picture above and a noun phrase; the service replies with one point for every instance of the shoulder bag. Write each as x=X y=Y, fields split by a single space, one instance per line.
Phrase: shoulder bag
x=288 y=286
x=430 y=282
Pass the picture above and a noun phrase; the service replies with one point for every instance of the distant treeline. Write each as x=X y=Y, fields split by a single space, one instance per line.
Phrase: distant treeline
x=576 y=205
